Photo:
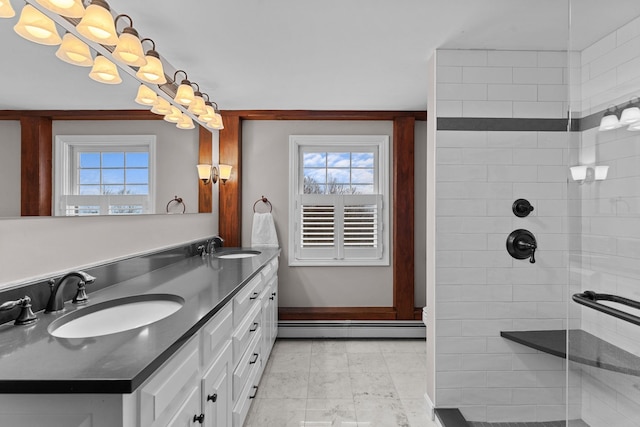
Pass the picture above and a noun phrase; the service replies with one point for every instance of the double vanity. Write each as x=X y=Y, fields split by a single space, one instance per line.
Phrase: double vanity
x=181 y=345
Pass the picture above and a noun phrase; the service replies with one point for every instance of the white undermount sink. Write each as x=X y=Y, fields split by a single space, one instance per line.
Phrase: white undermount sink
x=116 y=315
x=236 y=253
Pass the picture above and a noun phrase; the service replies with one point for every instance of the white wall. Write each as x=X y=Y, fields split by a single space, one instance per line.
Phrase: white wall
x=480 y=289
x=10 y=167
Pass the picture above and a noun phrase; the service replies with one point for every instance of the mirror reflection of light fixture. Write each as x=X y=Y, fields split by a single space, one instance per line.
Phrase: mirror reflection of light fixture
x=198 y=106
x=74 y=51
x=583 y=173
x=37 y=27
x=216 y=121
x=97 y=24
x=161 y=107
x=185 y=122
x=610 y=120
x=174 y=116
x=68 y=8
x=105 y=71
x=152 y=71
x=6 y=11
x=146 y=96
x=185 y=94
x=208 y=173
x=129 y=49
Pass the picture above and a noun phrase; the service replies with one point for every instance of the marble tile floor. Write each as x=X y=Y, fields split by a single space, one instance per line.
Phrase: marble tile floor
x=343 y=383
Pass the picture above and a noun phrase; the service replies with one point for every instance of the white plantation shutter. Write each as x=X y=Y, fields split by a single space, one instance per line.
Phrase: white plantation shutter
x=362 y=235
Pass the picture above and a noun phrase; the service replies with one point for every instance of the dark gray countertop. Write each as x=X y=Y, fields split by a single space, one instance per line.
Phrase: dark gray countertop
x=33 y=361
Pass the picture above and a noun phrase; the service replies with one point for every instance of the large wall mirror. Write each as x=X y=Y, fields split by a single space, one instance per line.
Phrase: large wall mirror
x=34 y=79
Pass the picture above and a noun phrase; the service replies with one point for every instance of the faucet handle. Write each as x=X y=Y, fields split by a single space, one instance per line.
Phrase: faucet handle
x=81 y=296
x=26 y=315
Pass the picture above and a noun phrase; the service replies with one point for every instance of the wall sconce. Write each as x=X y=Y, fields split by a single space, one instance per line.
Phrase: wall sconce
x=583 y=173
x=600 y=173
x=208 y=173
x=578 y=173
x=617 y=117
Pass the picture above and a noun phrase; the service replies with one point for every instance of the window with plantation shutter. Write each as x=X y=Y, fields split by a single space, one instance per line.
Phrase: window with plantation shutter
x=338 y=188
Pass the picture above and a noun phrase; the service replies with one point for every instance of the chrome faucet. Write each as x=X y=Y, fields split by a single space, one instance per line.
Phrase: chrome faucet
x=216 y=243
x=56 y=299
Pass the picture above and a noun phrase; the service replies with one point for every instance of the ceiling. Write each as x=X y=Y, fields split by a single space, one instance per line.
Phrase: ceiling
x=296 y=54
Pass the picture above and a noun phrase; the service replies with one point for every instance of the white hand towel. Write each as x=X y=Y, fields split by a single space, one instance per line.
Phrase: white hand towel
x=263 y=232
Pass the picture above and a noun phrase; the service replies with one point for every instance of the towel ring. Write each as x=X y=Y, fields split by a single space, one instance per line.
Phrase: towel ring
x=178 y=201
x=265 y=201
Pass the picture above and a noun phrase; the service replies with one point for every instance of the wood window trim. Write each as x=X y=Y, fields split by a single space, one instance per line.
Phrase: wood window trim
x=403 y=200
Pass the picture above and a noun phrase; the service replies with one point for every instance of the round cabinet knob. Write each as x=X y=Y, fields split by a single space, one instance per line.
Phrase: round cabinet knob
x=198 y=418
x=521 y=208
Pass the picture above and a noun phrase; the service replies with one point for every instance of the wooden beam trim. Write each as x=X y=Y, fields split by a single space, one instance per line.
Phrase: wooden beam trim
x=336 y=313
x=323 y=115
x=205 y=150
x=230 y=193
x=81 y=114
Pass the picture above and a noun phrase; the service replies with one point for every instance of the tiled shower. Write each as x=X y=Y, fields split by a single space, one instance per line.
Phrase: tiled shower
x=503 y=134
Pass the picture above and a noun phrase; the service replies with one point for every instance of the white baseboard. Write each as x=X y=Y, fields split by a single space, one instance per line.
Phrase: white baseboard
x=351 y=329
x=431 y=410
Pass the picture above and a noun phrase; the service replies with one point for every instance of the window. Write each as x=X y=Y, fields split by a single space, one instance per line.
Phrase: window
x=338 y=191
x=104 y=175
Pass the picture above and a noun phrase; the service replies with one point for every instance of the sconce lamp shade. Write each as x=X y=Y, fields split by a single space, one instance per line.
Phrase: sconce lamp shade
x=578 y=173
x=105 y=71
x=6 y=11
x=184 y=95
x=630 y=115
x=216 y=122
x=146 y=96
x=204 y=172
x=174 y=116
x=152 y=72
x=68 y=8
x=185 y=122
x=609 y=121
x=161 y=107
x=634 y=127
x=129 y=49
x=197 y=107
x=37 y=27
x=208 y=115
x=97 y=24
x=74 y=51
x=225 y=172
x=600 y=173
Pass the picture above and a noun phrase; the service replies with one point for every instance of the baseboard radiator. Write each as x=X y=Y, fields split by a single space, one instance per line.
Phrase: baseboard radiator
x=370 y=329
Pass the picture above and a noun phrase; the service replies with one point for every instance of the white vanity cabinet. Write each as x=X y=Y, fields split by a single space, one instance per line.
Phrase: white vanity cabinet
x=210 y=381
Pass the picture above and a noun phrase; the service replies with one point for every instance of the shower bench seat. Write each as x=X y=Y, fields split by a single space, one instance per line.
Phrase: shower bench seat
x=584 y=348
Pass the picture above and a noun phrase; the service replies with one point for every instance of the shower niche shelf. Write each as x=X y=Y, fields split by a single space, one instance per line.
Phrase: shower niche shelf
x=584 y=348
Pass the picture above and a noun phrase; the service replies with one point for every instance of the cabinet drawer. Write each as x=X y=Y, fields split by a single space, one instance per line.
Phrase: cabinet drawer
x=246 y=298
x=244 y=333
x=164 y=394
x=216 y=333
x=249 y=360
x=270 y=270
x=247 y=395
x=188 y=410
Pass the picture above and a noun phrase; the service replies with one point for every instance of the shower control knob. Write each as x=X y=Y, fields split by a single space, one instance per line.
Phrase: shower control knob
x=522 y=244
x=521 y=208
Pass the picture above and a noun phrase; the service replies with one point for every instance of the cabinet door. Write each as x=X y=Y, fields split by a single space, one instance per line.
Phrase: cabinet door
x=189 y=414
x=216 y=390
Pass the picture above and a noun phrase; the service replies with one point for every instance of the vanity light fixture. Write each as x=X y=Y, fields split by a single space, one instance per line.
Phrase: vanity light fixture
x=225 y=172
x=37 y=27
x=68 y=8
x=631 y=114
x=185 y=94
x=97 y=24
x=129 y=49
x=634 y=127
x=174 y=116
x=6 y=11
x=74 y=51
x=105 y=71
x=208 y=173
x=146 y=96
x=152 y=72
x=216 y=121
x=185 y=122
x=198 y=106
x=578 y=173
x=600 y=172
x=610 y=120
x=583 y=173
x=161 y=107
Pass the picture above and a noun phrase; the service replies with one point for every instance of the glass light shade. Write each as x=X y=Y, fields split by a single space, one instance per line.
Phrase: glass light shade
x=6 y=11
x=152 y=72
x=129 y=49
x=161 y=107
x=74 y=51
x=68 y=8
x=197 y=107
x=609 y=122
x=174 y=116
x=224 y=171
x=578 y=173
x=105 y=71
x=185 y=94
x=634 y=127
x=630 y=115
x=37 y=27
x=600 y=173
x=97 y=24
x=185 y=122
x=216 y=122
x=208 y=115
x=146 y=96
x=204 y=172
